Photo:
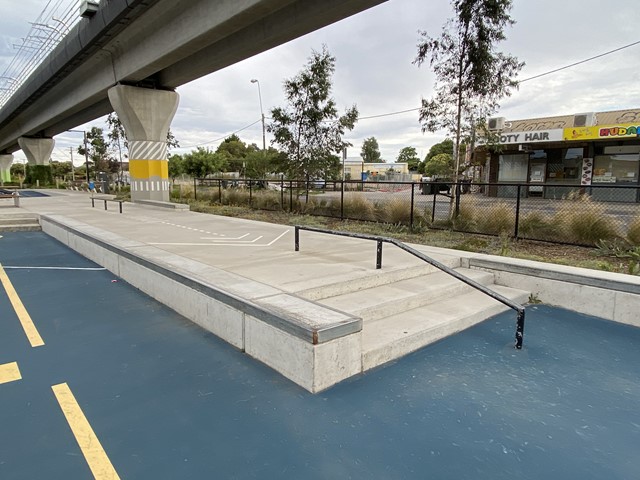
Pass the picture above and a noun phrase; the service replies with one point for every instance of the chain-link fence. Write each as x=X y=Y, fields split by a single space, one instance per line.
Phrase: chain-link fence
x=573 y=214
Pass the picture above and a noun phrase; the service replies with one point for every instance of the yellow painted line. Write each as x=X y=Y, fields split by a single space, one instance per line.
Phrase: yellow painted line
x=9 y=372
x=89 y=444
x=27 y=324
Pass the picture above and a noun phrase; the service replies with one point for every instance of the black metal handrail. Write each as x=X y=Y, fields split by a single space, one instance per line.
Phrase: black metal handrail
x=472 y=283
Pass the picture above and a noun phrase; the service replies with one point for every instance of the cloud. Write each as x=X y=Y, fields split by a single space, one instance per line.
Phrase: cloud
x=374 y=52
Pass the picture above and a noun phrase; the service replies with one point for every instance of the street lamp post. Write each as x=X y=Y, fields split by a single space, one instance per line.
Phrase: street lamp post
x=86 y=152
x=264 y=143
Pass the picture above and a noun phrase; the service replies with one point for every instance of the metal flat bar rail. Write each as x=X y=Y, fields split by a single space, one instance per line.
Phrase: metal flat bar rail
x=105 y=200
x=472 y=283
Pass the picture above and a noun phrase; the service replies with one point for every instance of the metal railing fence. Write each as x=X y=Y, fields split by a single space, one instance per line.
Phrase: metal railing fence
x=554 y=212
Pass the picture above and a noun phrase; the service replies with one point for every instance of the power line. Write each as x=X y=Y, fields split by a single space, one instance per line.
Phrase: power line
x=221 y=138
x=580 y=62
x=521 y=81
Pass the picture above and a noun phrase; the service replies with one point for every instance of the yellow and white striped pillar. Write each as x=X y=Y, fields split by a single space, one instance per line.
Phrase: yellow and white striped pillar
x=149 y=169
x=146 y=116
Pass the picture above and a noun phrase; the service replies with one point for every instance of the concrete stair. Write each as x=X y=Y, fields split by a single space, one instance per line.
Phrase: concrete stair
x=403 y=315
x=18 y=222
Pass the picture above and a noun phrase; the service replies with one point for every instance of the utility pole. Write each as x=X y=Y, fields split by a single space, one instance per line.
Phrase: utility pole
x=73 y=170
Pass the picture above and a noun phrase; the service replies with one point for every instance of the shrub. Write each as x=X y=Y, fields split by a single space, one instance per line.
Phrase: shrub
x=234 y=196
x=499 y=220
x=633 y=232
x=395 y=212
x=581 y=220
x=536 y=225
x=358 y=208
x=267 y=201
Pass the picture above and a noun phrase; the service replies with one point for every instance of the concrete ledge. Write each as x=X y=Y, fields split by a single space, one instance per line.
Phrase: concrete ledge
x=161 y=204
x=613 y=296
x=275 y=327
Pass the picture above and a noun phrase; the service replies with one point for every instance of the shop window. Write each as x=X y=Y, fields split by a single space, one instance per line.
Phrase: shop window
x=565 y=168
x=621 y=168
x=513 y=168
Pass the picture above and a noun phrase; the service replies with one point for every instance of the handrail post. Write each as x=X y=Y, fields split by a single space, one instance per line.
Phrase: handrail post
x=379 y=255
x=195 y=190
x=520 y=329
x=297 y=238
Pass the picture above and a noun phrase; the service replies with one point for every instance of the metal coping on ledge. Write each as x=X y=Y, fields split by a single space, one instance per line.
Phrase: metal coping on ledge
x=277 y=320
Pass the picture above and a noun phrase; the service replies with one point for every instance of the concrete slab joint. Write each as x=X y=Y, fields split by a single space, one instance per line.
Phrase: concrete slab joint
x=37 y=150
x=146 y=116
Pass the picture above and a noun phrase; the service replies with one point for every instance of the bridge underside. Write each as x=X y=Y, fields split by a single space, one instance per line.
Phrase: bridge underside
x=71 y=87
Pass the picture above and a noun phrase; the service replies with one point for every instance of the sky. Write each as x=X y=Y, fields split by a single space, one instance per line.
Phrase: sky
x=374 y=53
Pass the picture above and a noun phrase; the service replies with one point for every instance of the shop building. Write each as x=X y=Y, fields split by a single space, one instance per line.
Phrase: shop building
x=582 y=150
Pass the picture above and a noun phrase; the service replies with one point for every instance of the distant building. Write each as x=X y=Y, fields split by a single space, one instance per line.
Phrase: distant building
x=593 y=148
x=355 y=168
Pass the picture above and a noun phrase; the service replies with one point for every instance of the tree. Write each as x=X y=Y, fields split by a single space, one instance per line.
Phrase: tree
x=60 y=169
x=17 y=170
x=309 y=129
x=201 y=162
x=471 y=76
x=235 y=151
x=176 y=166
x=440 y=165
x=259 y=163
x=370 y=152
x=409 y=155
x=445 y=146
x=99 y=152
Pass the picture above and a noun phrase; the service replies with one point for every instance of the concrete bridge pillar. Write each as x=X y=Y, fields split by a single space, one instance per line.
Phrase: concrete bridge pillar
x=5 y=168
x=146 y=116
x=37 y=150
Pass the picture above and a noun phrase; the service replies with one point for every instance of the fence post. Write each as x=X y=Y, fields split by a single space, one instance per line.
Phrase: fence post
x=250 y=192
x=290 y=196
x=342 y=202
x=515 y=233
x=220 y=191
x=195 y=190
x=458 y=192
x=412 y=204
x=433 y=210
x=282 y=192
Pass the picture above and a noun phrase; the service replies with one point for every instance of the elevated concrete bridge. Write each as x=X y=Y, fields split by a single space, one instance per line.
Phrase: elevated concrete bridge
x=131 y=55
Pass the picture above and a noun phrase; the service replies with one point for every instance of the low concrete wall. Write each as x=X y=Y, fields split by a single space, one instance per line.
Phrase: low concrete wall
x=312 y=345
x=613 y=296
x=161 y=204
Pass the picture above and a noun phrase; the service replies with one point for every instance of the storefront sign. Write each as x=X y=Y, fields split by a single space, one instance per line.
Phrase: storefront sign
x=600 y=132
x=534 y=136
